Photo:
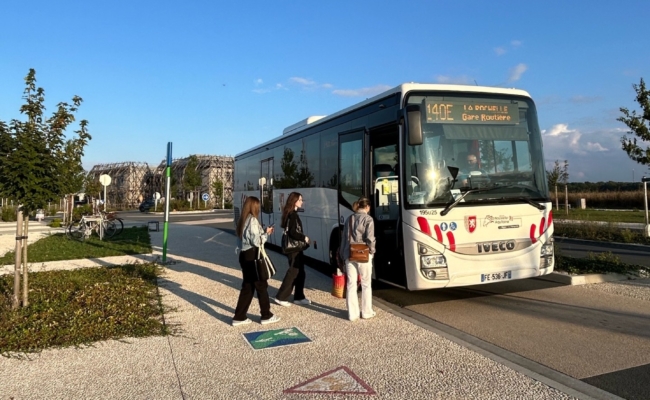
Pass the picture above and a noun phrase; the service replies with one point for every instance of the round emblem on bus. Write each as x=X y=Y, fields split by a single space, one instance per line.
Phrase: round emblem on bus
x=443 y=226
x=452 y=226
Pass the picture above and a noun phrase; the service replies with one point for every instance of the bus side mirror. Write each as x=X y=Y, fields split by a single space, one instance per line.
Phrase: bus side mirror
x=414 y=119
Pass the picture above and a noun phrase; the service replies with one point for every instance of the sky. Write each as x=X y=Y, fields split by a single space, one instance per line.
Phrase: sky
x=218 y=77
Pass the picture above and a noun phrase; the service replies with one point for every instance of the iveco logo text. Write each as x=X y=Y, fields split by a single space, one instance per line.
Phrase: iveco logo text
x=496 y=246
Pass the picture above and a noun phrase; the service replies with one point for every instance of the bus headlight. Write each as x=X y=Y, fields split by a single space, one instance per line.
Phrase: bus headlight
x=546 y=255
x=433 y=265
x=547 y=249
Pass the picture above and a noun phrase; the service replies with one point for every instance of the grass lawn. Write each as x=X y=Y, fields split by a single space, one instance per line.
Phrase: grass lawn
x=600 y=215
x=135 y=240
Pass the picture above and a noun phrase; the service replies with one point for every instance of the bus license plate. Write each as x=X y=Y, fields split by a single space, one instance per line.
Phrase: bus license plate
x=497 y=276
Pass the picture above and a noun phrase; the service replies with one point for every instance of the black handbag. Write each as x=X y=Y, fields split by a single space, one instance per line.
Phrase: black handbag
x=263 y=265
x=291 y=245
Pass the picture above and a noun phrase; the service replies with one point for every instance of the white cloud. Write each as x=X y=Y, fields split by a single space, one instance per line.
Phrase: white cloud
x=595 y=147
x=516 y=43
x=517 y=72
x=310 y=84
x=302 y=81
x=593 y=155
x=500 y=51
x=258 y=81
x=362 y=92
x=558 y=129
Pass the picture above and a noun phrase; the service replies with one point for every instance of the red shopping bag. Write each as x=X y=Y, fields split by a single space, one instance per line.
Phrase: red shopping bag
x=338 y=285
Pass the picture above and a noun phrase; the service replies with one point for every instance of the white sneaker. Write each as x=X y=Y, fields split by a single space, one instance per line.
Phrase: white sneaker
x=282 y=303
x=369 y=316
x=271 y=320
x=303 y=301
x=244 y=322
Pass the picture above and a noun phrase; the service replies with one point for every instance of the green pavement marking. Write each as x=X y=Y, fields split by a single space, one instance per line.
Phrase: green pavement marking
x=275 y=338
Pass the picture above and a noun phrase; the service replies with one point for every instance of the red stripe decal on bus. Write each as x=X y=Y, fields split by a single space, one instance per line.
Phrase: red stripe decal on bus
x=452 y=241
x=533 y=228
x=424 y=225
x=541 y=226
x=550 y=218
x=438 y=233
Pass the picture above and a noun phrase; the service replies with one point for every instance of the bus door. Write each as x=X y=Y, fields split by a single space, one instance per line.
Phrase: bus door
x=385 y=183
x=352 y=172
x=266 y=195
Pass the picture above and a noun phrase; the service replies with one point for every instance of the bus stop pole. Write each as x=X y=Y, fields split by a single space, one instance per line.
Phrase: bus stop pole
x=167 y=199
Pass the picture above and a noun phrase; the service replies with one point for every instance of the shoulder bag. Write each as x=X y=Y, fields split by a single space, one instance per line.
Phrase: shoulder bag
x=291 y=245
x=263 y=265
x=359 y=252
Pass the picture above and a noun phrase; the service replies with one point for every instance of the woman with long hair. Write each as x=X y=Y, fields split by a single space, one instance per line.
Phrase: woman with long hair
x=359 y=228
x=251 y=236
x=295 y=276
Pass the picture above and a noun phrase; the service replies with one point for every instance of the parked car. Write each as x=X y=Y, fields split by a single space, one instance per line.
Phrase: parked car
x=146 y=205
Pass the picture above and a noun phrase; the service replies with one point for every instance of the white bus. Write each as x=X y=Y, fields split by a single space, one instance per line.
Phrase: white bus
x=438 y=222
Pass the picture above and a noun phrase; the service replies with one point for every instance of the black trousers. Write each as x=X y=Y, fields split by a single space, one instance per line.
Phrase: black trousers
x=295 y=278
x=249 y=285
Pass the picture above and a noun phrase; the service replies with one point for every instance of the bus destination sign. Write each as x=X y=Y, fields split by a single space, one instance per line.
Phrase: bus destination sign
x=470 y=112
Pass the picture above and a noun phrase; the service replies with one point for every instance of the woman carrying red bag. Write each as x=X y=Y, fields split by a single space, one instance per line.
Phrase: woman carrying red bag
x=359 y=228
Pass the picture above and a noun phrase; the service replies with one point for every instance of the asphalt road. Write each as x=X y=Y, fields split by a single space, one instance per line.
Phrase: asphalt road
x=598 y=338
x=223 y=219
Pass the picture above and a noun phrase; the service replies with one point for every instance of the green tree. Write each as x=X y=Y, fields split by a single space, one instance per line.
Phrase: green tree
x=217 y=190
x=192 y=179
x=37 y=163
x=92 y=187
x=559 y=174
x=639 y=126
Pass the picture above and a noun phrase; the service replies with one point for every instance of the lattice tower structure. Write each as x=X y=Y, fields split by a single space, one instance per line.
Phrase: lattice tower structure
x=131 y=182
x=213 y=169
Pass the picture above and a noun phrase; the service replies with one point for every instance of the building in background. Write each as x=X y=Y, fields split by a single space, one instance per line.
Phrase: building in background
x=133 y=182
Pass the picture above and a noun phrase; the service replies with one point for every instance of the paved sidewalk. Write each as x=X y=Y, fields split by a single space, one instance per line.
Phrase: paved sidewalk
x=386 y=357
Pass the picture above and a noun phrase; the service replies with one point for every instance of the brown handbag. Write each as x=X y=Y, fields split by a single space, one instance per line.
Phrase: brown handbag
x=359 y=252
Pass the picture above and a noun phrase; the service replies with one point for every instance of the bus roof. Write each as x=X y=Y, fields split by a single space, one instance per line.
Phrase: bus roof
x=403 y=88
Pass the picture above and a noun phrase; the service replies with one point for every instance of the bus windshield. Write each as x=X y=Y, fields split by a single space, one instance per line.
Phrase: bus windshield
x=486 y=142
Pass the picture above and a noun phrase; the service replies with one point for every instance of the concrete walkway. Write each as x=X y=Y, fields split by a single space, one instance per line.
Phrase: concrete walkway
x=386 y=357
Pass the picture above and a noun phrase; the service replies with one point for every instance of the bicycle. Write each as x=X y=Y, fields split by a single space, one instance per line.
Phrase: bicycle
x=111 y=216
x=84 y=228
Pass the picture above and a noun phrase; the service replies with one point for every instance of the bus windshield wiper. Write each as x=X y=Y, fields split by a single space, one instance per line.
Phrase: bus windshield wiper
x=529 y=201
x=461 y=197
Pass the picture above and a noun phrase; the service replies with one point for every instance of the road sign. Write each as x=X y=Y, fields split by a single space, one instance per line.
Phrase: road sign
x=156 y=196
x=205 y=197
x=105 y=180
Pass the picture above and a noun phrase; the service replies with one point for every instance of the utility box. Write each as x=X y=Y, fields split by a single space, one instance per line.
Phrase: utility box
x=583 y=204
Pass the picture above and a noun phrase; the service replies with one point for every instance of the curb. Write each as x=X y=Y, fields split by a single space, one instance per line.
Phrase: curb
x=582 y=279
